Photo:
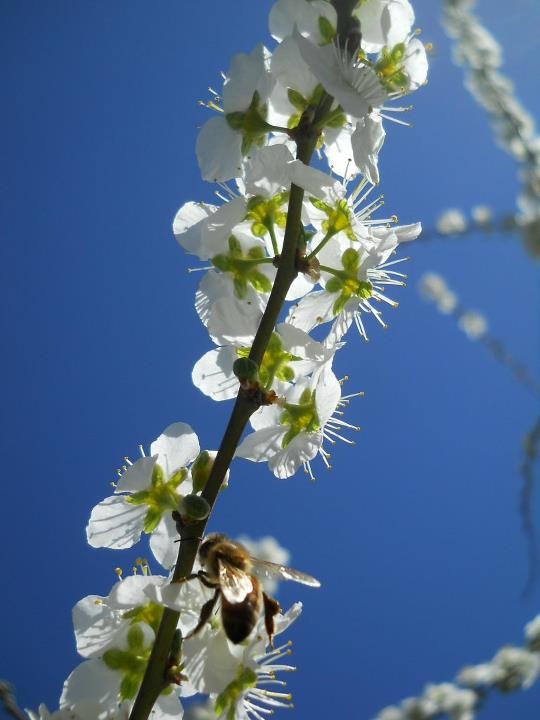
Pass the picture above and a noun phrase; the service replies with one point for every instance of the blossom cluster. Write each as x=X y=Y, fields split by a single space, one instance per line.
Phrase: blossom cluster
x=337 y=92
x=512 y=668
x=434 y=288
x=514 y=127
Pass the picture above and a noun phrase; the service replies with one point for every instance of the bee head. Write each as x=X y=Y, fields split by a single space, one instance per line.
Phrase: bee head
x=207 y=544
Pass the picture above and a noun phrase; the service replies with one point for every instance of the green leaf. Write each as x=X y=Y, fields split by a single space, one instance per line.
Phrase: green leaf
x=151 y=519
x=297 y=99
x=129 y=686
x=326 y=29
x=260 y=282
x=333 y=285
x=350 y=260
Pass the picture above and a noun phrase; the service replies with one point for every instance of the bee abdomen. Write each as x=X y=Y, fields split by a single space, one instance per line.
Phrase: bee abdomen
x=239 y=619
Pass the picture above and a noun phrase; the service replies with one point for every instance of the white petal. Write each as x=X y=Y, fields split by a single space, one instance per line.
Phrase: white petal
x=213 y=374
x=302 y=448
x=300 y=286
x=328 y=394
x=131 y=591
x=215 y=232
x=312 y=310
x=176 y=447
x=91 y=680
x=366 y=143
x=247 y=74
x=95 y=625
x=262 y=444
x=234 y=322
x=405 y=233
x=210 y=661
x=137 y=476
x=167 y=707
x=290 y=70
x=219 y=151
x=162 y=544
x=188 y=223
x=286 y=14
x=115 y=523
x=355 y=87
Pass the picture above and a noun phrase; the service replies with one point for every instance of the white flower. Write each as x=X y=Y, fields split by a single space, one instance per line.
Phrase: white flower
x=223 y=141
x=354 y=279
x=291 y=433
x=290 y=355
x=239 y=678
x=204 y=229
x=227 y=317
x=353 y=84
x=384 y=22
x=116 y=676
x=314 y=19
x=145 y=491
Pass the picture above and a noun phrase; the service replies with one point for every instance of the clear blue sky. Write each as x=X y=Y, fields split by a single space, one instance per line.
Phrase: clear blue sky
x=415 y=533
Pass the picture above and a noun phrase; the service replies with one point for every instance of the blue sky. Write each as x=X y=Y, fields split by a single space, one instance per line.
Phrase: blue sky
x=415 y=533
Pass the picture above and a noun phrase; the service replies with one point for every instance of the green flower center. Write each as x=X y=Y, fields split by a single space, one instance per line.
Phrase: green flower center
x=301 y=417
x=242 y=266
x=346 y=282
x=251 y=123
x=390 y=68
x=338 y=217
x=226 y=701
x=265 y=213
x=275 y=363
x=150 y=614
x=131 y=663
x=160 y=497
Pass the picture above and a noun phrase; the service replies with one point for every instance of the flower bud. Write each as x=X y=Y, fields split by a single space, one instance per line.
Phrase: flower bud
x=194 y=508
x=246 y=369
x=200 y=470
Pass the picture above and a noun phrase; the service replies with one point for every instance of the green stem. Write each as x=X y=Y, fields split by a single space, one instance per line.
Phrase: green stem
x=274 y=241
x=153 y=682
x=332 y=271
x=320 y=246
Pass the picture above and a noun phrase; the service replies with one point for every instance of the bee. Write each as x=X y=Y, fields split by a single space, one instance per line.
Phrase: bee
x=233 y=573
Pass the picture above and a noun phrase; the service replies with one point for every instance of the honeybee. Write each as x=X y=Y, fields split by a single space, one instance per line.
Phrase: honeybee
x=232 y=572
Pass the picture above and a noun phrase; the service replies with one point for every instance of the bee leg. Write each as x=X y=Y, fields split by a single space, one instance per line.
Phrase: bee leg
x=201 y=575
x=206 y=612
x=271 y=609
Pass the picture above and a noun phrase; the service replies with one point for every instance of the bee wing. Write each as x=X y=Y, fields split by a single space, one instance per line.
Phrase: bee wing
x=267 y=569
x=235 y=584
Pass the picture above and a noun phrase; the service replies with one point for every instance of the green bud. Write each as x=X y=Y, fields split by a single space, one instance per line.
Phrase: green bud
x=246 y=369
x=200 y=470
x=194 y=507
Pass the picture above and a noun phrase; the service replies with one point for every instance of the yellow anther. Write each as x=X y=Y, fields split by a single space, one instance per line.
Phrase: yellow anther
x=118 y=571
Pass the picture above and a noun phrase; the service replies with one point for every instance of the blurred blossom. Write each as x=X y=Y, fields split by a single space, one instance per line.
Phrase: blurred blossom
x=532 y=633
x=451 y=222
x=482 y=215
x=514 y=128
x=512 y=668
x=267 y=548
x=473 y=324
